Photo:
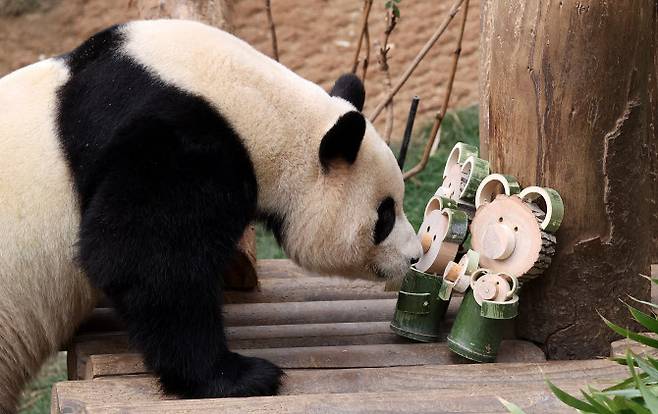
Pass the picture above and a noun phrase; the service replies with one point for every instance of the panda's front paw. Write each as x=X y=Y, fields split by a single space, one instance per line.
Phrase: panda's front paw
x=241 y=376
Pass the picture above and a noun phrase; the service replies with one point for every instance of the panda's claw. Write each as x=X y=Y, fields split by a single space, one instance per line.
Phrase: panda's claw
x=235 y=376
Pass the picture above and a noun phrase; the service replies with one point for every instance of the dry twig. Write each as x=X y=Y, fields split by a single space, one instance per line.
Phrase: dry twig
x=367 y=5
x=382 y=58
x=438 y=118
x=275 y=46
x=366 y=60
x=419 y=57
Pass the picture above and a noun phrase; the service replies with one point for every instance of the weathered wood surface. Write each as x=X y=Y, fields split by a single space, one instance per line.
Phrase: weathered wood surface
x=214 y=12
x=566 y=105
x=307 y=289
x=464 y=388
x=284 y=313
x=620 y=347
x=265 y=336
x=350 y=356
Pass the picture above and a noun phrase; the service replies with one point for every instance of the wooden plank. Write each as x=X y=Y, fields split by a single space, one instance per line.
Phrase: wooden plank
x=467 y=383
x=286 y=313
x=243 y=337
x=306 y=289
x=430 y=401
x=351 y=356
x=620 y=347
x=280 y=280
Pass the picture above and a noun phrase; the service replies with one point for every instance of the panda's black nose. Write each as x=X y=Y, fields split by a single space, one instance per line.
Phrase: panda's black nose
x=414 y=260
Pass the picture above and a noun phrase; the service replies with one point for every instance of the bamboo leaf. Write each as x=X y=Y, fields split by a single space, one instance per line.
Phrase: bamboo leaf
x=646 y=320
x=596 y=403
x=643 y=339
x=654 y=280
x=650 y=399
x=644 y=302
x=624 y=384
x=570 y=400
x=632 y=405
x=511 y=407
x=647 y=367
x=627 y=393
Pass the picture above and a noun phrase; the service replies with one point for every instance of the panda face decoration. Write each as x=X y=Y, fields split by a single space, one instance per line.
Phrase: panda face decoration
x=350 y=221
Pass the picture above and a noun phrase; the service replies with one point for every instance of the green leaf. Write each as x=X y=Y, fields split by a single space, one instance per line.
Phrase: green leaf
x=643 y=339
x=649 y=397
x=511 y=407
x=570 y=400
x=595 y=401
x=624 y=384
x=644 y=302
x=627 y=393
x=396 y=12
x=647 y=321
x=647 y=367
x=636 y=407
x=654 y=280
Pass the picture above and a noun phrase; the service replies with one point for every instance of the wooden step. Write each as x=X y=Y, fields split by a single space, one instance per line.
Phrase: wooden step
x=351 y=356
x=285 y=313
x=356 y=322
x=430 y=388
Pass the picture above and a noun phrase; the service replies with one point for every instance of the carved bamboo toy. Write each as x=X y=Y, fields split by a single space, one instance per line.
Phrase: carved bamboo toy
x=510 y=241
x=488 y=306
x=419 y=309
x=513 y=234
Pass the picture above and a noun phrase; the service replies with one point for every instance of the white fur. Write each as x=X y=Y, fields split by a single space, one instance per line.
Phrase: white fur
x=43 y=295
x=282 y=118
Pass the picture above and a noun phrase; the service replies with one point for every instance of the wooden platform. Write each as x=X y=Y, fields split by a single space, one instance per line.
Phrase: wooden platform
x=332 y=338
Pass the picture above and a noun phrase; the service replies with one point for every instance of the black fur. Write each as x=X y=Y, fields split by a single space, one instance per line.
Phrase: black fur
x=166 y=189
x=385 y=220
x=350 y=88
x=343 y=140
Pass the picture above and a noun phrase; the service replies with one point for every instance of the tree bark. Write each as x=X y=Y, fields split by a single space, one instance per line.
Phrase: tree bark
x=213 y=12
x=241 y=273
x=566 y=103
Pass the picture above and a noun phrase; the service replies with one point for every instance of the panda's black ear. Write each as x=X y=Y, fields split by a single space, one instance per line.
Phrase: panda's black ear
x=343 y=140
x=350 y=88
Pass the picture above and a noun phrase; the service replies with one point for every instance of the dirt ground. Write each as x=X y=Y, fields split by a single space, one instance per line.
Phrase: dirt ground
x=317 y=39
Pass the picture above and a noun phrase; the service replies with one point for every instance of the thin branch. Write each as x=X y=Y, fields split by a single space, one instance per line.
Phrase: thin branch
x=437 y=34
x=364 y=27
x=275 y=45
x=382 y=58
x=438 y=118
x=366 y=60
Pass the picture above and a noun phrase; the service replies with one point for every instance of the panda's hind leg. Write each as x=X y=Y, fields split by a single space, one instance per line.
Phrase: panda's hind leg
x=155 y=236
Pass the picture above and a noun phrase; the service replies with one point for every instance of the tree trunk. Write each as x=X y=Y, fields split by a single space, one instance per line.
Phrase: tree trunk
x=566 y=103
x=241 y=273
x=213 y=12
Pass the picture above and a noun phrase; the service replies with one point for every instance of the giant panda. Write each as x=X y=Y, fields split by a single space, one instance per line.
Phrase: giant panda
x=132 y=165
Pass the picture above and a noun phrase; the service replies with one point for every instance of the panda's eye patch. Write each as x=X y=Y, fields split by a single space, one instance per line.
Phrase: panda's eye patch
x=385 y=219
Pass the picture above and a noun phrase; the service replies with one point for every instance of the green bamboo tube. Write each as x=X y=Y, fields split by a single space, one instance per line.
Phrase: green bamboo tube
x=554 y=206
x=476 y=170
x=439 y=202
x=474 y=336
x=419 y=311
x=457 y=225
x=459 y=154
x=495 y=184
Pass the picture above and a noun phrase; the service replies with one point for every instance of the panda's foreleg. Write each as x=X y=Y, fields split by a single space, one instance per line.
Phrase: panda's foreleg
x=155 y=236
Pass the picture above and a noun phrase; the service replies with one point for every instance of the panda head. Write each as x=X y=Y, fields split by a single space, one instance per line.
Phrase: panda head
x=350 y=220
